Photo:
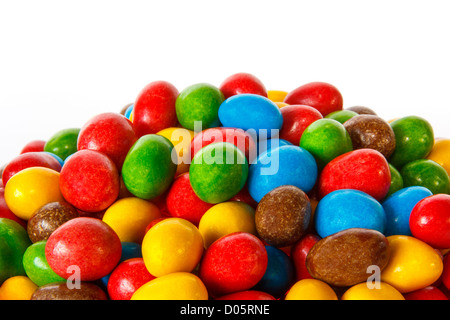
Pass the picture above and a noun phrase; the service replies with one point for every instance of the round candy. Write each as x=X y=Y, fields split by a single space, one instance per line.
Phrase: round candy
x=154 y=108
x=347 y=208
x=172 y=245
x=14 y=242
x=252 y=113
x=90 y=181
x=296 y=118
x=30 y=189
x=276 y=95
x=247 y=295
x=362 y=110
x=440 y=153
x=362 y=292
x=320 y=95
x=87 y=243
x=286 y=165
x=365 y=170
x=33 y=146
x=17 y=288
x=430 y=221
x=240 y=83
x=37 y=267
x=326 y=139
x=222 y=269
x=218 y=172
x=226 y=218
x=427 y=293
x=148 y=169
x=182 y=202
x=264 y=145
x=311 y=289
x=126 y=278
x=63 y=143
x=129 y=218
x=28 y=160
x=369 y=131
x=60 y=291
x=396 y=181
x=172 y=286
x=398 y=209
x=341 y=115
x=48 y=218
x=299 y=252
x=414 y=140
x=197 y=106
x=109 y=133
x=426 y=173
x=283 y=215
x=412 y=265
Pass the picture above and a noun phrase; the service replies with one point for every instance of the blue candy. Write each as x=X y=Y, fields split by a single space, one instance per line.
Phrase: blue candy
x=251 y=112
x=265 y=145
x=129 y=111
x=286 y=165
x=347 y=208
x=398 y=208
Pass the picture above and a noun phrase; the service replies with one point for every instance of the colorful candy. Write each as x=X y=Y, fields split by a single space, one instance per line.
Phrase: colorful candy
x=63 y=143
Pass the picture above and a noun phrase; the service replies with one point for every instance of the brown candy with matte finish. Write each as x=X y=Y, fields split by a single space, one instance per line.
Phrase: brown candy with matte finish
x=343 y=258
x=369 y=131
x=362 y=110
x=48 y=218
x=283 y=215
x=60 y=291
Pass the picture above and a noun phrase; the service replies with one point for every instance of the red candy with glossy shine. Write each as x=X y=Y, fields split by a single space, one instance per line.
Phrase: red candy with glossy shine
x=182 y=202
x=296 y=118
x=299 y=251
x=89 y=180
x=154 y=108
x=85 y=243
x=28 y=160
x=33 y=146
x=127 y=277
x=245 y=196
x=320 y=95
x=427 y=293
x=430 y=221
x=109 y=133
x=235 y=262
x=241 y=83
x=365 y=170
x=247 y=295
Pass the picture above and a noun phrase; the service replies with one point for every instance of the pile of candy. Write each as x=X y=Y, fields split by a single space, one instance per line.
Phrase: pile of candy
x=229 y=193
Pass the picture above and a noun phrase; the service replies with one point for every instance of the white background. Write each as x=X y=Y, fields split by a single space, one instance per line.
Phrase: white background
x=62 y=62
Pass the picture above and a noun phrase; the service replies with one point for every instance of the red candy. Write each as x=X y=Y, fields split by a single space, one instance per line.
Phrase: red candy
x=154 y=108
x=320 y=95
x=427 y=293
x=296 y=118
x=365 y=170
x=445 y=277
x=5 y=212
x=89 y=181
x=84 y=247
x=430 y=221
x=33 y=146
x=126 y=278
x=247 y=295
x=109 y=133
x=299 y=251
x=235 y=262
x=241 y=83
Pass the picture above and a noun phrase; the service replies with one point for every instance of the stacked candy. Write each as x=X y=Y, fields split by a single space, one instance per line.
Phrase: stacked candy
x=230 y=192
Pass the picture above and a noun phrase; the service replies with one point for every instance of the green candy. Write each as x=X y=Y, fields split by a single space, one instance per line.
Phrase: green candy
x=199 y=102
x=426 y=173
x=341 y=115
x=148 y=169
x=36 y=265
x=396 y=181
x=13 y=243
x=63 y=143
x=326 y=139
x=414 y=140
x=218 y=172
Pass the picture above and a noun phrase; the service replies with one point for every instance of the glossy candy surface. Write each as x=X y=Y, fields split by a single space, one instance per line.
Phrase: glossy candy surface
x=426 y=173
x=240 y=83
x=299 y=252
x=440 y=153
x=296 y=118
x=362 y=292
x=311 y=289
x=17 y=288
x=63 y=143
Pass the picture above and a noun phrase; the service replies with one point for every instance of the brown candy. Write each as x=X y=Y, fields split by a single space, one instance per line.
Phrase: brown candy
x=48 y=218
x=283 y=215
x=362 y=110
x=60 y=291
x=343 y=258
x=369 y=131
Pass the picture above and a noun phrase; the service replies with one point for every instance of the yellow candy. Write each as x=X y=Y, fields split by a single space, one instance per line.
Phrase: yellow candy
x=311 y=289
x=276 y=95
x=129 y=217
x=362 y=292
x=441 y=153
x=173 y=286
x=30 y=189
x=181 y=139
x=412 y=265
x=225 y=218
x=17 y=288
x=281 y=104
x=172 y=245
